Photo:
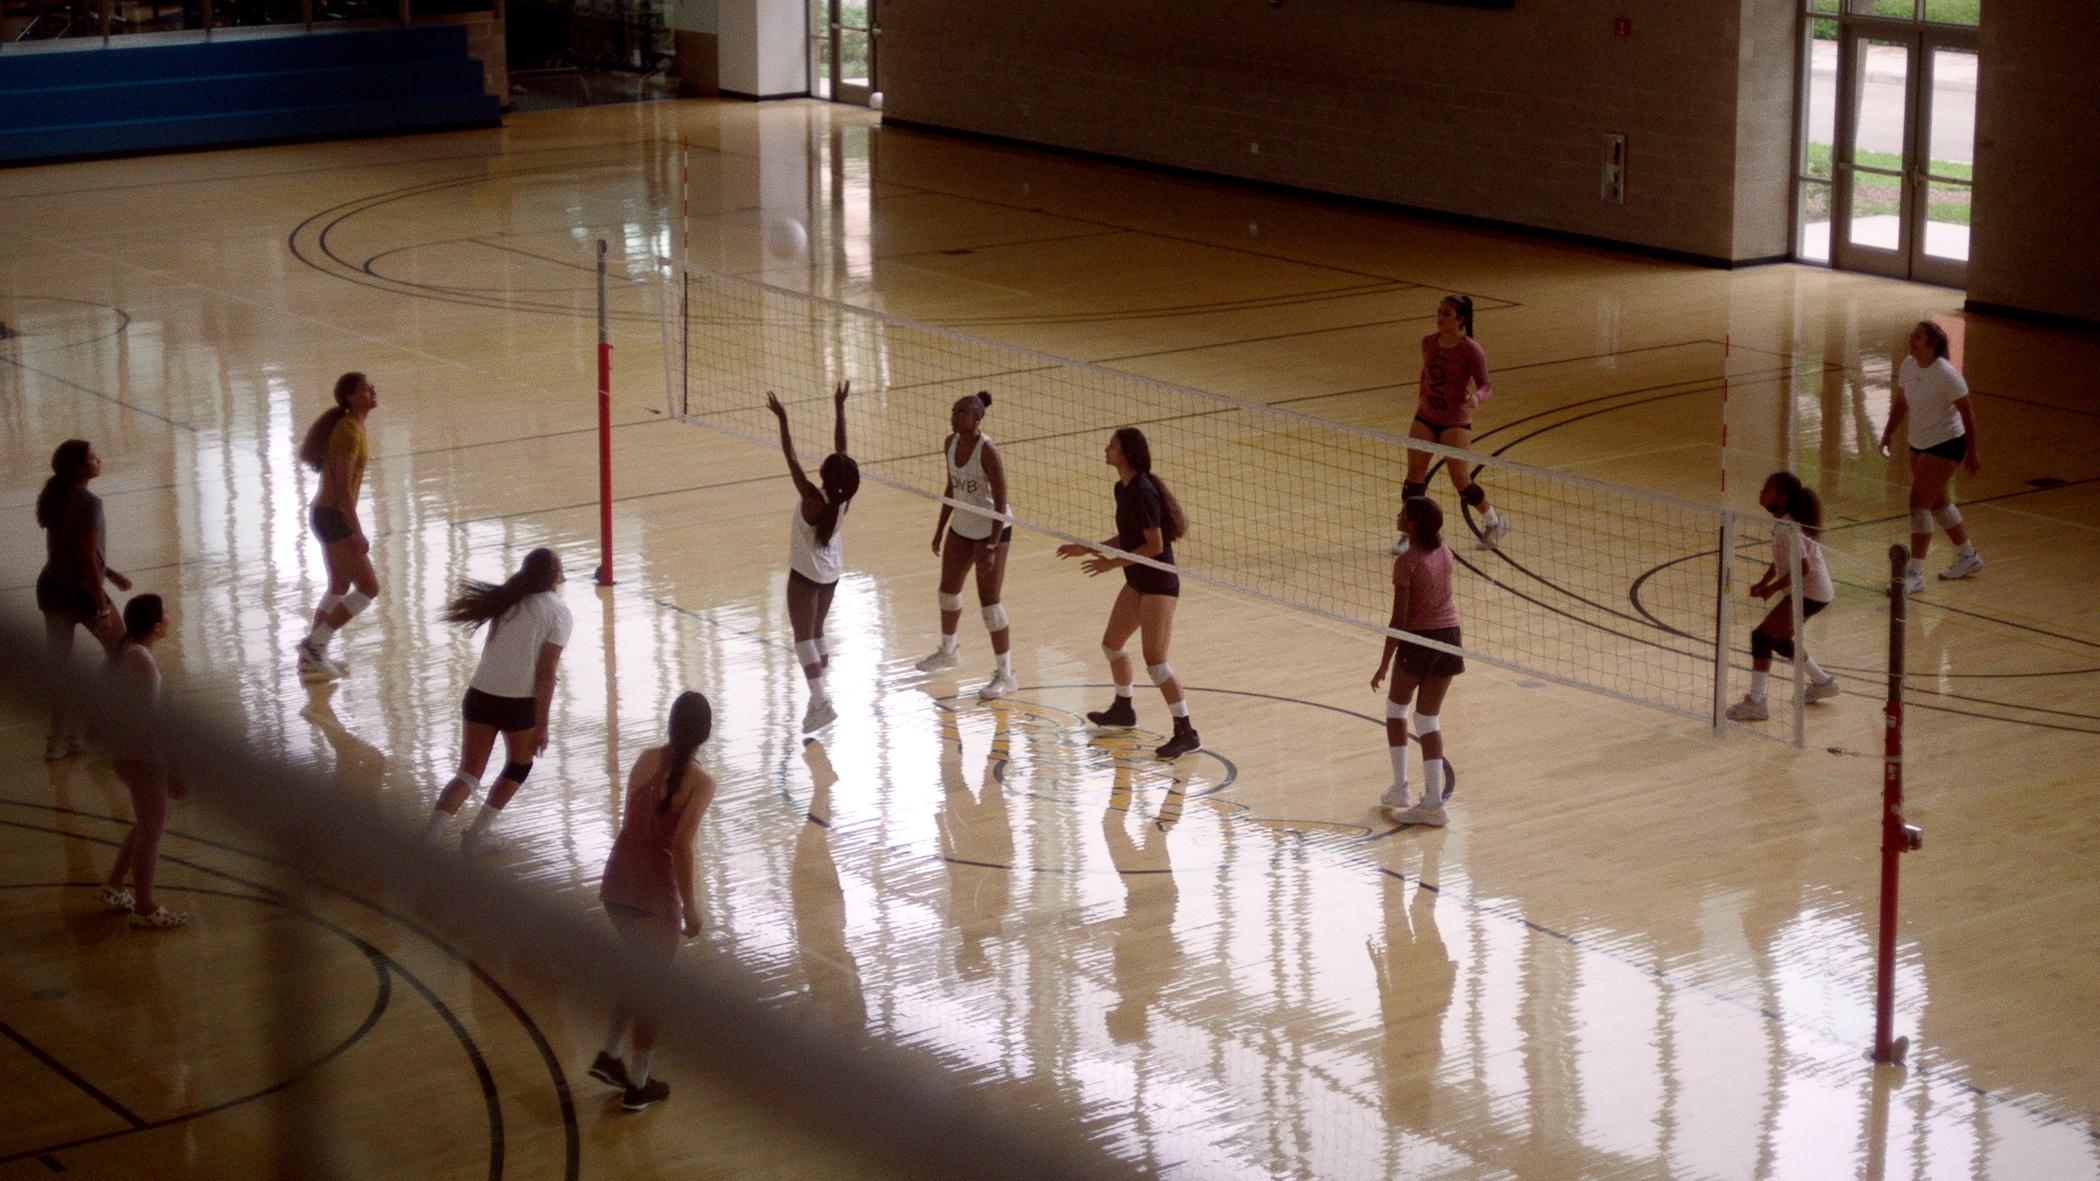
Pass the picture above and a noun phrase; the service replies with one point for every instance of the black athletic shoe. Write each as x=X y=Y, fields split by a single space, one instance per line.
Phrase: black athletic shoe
x=610 y=1071
x=1450 y=779
x=1184 y=742
x=647 y=1095
x=1122 y=713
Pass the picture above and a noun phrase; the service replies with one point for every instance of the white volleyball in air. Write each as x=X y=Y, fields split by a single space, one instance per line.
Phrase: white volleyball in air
x=786 y=240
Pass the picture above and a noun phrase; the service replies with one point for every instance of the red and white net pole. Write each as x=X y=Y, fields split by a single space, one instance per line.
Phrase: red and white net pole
x=1897 y=838
x=1724 y=587
x=605 y=573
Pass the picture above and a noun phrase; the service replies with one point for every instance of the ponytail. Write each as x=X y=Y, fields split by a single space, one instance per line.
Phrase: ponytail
x=313 y=449
x=484 y=602
x=1137 y=452
x=68 y=464
x=1463 y=305
x=692 y=720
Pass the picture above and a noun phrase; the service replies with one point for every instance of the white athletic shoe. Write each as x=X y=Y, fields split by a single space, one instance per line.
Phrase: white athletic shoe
x=1491 y=536
x=999 y=686
x=1913 y=584
x=315 y=667
x=1424 y=813
x=1400 y=547
x=1821 y=691
x=1395 y=797
x=820 y=715
x=1749 y=709
x=941 y=658
x=483 y=843
x=1963 y=566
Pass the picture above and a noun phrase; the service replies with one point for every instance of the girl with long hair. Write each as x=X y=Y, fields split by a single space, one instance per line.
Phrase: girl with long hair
x=1932 y=402
x=135 y=682
x=512 y=689
x=69 y=587
x=1422 y=605
x=648 y=889
x=1148 y=523
x=965 y=539
x=1785 y=497
x=815 y=556
x=1454 y=379
x=335 y=447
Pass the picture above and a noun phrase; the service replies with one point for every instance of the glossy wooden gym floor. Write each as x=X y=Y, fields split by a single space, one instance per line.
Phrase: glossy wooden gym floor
x=1639 y=949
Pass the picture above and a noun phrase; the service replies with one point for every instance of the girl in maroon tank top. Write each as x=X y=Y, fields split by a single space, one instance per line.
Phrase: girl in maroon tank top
x=648 y=888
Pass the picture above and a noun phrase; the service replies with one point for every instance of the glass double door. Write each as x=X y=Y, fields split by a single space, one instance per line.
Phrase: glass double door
x=1905 y=151
x=842 y=42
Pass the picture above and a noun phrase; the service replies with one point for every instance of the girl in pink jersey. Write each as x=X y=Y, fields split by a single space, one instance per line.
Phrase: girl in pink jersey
x=1454 y=380
x=648 y=890
x=1785 y=497
x=1422 y=605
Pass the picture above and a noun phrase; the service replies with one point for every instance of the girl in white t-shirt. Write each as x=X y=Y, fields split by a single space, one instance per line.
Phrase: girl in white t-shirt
x=1786 y=498
x=815 y=557
x=1933 y=398
x=512 y=688
x=965 y=539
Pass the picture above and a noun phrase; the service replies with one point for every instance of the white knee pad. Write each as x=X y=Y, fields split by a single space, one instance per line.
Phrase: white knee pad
x=1428 y=723
x=807 y=653
x=823 y=644
x=1113 y=654
x=1160 y=673
x=1920 y=520
x=950 y=602
x=1948 y=517
x=995 y=617
x=329 y=603
x=355 y=602
x=1398 y=709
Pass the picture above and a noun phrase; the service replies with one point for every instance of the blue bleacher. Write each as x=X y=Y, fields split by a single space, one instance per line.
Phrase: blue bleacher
x=152 y=97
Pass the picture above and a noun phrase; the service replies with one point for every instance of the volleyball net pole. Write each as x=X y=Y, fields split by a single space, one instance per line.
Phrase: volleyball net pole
x=1897 y=837
x=605 y=551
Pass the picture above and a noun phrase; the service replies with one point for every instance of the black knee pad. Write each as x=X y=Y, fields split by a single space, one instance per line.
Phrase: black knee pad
x=516 y=772
x=1409 y=489
x=1783 y=649
x=1474 y=494
x=1760 y=645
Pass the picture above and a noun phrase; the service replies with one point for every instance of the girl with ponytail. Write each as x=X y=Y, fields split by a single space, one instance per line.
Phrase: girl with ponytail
x=1785 y=497
x=648 y=889
x=815 y=557
x=1148 y=523
x=512 y=689
x=335 y=447
x=976 y=538
x=1454 y=379
x=69 y=588
x=134 y=680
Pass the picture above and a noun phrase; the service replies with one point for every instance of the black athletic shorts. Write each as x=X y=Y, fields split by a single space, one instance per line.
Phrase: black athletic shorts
x=1437 y=429
x=1809 y=607
x=330 y=525
x=1150 y=580
x=1955 y=449
x=1005 y=535
x=56 y=595
x=1423 y=663
x=800 y=579
x=508 y=714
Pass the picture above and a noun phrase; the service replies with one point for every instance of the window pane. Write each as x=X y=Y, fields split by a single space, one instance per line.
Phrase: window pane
x=1947 y=221
x=1952 y=121
x=1815 y=222
x=1902 y=9
x=1822 y=5
x=1821 y=129
x=853 y=14
x=1877 y=200
x=820 y=67
x=853 y=57
x=1880 y=74
x=1953 y=12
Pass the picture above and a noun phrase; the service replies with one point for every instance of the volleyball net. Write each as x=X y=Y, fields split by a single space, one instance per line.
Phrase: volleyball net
x=1612 y=589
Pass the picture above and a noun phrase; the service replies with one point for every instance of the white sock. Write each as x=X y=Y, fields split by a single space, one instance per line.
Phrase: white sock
x=816 y=687
x=439 y=819
x=1433 y=783
x=1399 y=756
x=1006 y=663
x=1126 y=691
x=1966 y=549
x=1757 y=684
x=1914 y=566
x=1179 y=709
x=616 y=1041
x=318 y=638
x=1493 y=516
x=949 y=643
x=638 y=1070
x=1815 y=671
x=483 y=820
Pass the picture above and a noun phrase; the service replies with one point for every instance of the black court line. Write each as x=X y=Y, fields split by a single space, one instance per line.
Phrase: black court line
x=123 y=322
x=592 y=269
x=972 y=249
x=74 y=385
x=1251 y=303
x=59 y=1068
x=564 y=1097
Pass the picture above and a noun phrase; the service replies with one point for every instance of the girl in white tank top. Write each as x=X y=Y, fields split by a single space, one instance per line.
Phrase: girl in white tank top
x=973 y=536
x=814 y=554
